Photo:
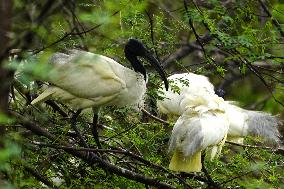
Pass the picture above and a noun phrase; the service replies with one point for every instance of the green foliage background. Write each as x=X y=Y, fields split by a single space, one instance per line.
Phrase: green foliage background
x=240 y=37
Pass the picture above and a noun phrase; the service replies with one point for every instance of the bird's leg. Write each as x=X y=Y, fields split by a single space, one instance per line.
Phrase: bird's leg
x=95 y=131
x=73 y=125
x=210 y=182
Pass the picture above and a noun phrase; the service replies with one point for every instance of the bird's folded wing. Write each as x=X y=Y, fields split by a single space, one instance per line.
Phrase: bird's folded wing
x=214 y=128
x=187 y=136
x=87 y=76
x=193 y=133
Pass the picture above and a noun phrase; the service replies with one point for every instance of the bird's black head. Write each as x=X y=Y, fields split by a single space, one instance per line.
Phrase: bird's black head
x=135 y=48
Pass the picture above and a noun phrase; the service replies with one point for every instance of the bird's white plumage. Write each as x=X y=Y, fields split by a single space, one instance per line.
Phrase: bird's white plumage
x=200 y=91
x=202 y=122
x=189 y=87
x=83 y=79
x=200 y=126
x=238 y=121
x=205 y=120
x=255 y=123
x=195 y=131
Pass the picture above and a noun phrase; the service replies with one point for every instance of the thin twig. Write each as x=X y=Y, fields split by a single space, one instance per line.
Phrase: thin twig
x=155 y=117
x=56 y=108
x=274 y=21
x=78 y=133
x=185 y=50
x=275 y=150
x=193 y=29
x=91 y=158
x=119 y=151
x=239 y=176
x=152 y=34
x=71 y=33
x=40 y=177
x=210 y=181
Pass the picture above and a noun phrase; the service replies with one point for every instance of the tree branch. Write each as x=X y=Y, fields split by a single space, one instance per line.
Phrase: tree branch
x=5 y=74
x=120 y=151
x=274 y=21
x=155 y=117
x=275 y=150
x=40 y=177
x=91 y=158
x=71 y=33
x=184 y=50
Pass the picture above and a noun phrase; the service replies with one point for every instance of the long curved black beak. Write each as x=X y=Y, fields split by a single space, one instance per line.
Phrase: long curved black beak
x=155 y=63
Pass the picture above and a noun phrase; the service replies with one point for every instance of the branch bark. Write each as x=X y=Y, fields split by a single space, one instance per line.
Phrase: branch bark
x=121 y=151
x=275 y=150
x=40 y=177
x=91 y=158
x=154 y=117
x=274 y=21
x=5 y=74
x=185 y=50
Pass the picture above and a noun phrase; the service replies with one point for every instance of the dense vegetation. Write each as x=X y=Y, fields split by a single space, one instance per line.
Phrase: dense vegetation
x=238 y=44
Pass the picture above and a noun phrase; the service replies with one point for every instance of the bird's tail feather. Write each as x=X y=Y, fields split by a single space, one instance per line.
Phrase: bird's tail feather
x=188 y=164
x=264 y=125
x=44 y=96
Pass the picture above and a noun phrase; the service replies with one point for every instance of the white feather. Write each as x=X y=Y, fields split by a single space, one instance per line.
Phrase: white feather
x=190 y=85
x=83 y=79
x=199 y=95
x=195 y=132
x=254 y=123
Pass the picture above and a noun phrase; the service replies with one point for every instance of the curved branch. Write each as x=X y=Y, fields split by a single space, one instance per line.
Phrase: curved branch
x=185 y=50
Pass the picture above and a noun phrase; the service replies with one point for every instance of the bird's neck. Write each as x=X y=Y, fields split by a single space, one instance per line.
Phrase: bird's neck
x=136 y=64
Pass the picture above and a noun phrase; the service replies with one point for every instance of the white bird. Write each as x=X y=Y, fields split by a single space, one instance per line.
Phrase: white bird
x=202 y=122
x=194 y=132
x=242 y=122
x=199 y=107
x=184 y=87
x=83 y=79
